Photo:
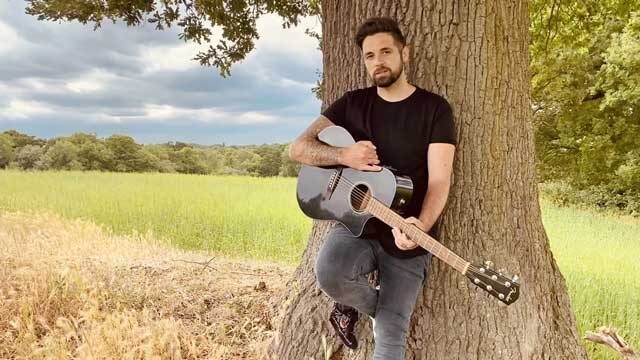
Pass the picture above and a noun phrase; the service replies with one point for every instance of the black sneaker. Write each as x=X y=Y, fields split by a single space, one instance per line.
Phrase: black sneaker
x=343 y=318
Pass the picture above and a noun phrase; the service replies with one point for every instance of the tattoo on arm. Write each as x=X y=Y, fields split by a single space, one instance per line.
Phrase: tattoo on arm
x=309 y=150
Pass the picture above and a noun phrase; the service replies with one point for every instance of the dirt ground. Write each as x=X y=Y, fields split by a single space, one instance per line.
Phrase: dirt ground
x=70 y=289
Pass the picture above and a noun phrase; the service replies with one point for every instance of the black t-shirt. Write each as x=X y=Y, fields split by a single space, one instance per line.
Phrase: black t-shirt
x=401 y=132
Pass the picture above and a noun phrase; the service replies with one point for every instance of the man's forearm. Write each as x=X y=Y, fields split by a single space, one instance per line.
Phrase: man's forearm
x=314 y=152
x=434 y=202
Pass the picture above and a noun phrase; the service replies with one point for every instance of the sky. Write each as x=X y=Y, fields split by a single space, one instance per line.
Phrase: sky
x=57 y=78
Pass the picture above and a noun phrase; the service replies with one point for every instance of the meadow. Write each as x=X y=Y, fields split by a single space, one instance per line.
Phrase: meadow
x=237 y=216
x=258 y=218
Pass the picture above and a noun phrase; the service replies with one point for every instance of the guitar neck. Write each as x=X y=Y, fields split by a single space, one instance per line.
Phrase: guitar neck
x=391 y=218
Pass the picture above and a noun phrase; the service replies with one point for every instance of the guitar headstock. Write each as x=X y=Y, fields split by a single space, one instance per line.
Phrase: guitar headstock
x=499 y=285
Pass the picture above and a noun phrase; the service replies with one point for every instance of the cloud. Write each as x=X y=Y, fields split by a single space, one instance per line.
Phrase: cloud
x=93 y=81
x=289 y=42
x=9 y=37
x=168 y=58
x=20 y=109
x=156 y=113
x=65 y=77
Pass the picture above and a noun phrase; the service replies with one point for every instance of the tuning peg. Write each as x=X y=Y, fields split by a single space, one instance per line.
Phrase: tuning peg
x=502 y=271
x=515 y=278
x=488 y=264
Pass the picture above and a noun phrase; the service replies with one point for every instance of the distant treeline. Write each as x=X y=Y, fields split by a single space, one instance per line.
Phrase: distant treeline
x=120 y=153
x=580 y=178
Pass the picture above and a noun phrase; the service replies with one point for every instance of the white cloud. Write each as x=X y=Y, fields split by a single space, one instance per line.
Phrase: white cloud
x=169 y=58
x=290 y=42
x=94 y=81
x=21 y=109
x=286 y=82
x=8 y=38
x=163 y=113
x=177 y=57
x=168 y=112
x=37 y=84
x=254 y=117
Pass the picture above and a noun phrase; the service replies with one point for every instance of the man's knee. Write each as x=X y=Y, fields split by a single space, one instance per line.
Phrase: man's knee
x=329 y=277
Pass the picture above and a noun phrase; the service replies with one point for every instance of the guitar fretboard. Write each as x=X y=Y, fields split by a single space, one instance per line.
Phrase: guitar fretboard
x=391 y=218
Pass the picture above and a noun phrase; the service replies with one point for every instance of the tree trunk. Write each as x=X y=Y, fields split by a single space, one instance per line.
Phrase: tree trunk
x=475 y=54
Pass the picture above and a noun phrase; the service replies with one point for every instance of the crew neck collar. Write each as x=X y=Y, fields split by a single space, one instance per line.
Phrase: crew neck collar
x=413 y=93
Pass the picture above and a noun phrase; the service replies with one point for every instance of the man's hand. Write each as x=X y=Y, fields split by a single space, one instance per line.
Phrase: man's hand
x=401 y=240
x=360 y=156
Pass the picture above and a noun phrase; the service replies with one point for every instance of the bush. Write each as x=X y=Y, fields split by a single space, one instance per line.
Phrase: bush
x=602 y=197
x=7 y=153
x=559 y=193
x=27 y=157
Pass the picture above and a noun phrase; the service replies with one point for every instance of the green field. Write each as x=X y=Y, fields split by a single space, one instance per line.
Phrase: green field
x=599 y=256
x=233 y=215
x=258 y=218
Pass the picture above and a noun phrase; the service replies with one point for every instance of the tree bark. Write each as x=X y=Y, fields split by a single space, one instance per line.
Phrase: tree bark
x=475 y=54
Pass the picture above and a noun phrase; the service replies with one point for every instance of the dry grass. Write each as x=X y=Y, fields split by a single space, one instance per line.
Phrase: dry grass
x=70 y=289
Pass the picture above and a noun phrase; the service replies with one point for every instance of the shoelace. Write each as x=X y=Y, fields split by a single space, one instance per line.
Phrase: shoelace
x=343 y=321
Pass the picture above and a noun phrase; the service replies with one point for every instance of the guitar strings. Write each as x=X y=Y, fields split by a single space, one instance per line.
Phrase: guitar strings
x=361 y=196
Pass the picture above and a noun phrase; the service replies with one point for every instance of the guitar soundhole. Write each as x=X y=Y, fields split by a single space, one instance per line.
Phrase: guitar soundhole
x=360 y=196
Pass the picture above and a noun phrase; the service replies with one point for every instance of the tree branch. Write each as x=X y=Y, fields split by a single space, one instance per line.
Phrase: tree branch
x=237 y=18
x=597 y=95
x=609 y=337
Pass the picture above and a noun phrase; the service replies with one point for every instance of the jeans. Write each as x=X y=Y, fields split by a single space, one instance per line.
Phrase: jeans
x=342 y=269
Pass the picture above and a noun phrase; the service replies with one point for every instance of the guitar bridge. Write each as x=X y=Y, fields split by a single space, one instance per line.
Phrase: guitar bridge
x=332 y=184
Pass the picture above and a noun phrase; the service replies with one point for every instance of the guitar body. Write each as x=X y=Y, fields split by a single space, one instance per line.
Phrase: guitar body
x=337 y=193
x=343 y=194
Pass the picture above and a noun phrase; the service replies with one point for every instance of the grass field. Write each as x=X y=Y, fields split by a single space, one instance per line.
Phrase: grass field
x=599 y=256
x=233 y=215
x=258 y=218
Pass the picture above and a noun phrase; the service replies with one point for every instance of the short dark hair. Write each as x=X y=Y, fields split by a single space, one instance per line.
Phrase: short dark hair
x=376 y=25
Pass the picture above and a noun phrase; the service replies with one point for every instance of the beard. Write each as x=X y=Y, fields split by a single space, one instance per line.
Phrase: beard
x=389 y=76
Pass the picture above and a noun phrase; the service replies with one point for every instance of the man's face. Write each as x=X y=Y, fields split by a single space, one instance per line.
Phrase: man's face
x=382 y=58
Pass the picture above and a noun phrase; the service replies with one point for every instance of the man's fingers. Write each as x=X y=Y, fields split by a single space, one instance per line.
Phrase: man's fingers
x=370 y=168
x=401 y=240
x=412 y=220
x=409 y=246
x=368 y=144
x=415 y=221
x=398 y=234
x=369 y=156
x=405 y=245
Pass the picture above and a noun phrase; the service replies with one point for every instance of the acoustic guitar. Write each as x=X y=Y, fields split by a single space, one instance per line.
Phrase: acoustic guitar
x=353 y=197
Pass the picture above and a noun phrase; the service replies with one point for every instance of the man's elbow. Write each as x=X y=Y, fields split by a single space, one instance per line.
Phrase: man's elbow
x=294 y=151
x=440 y=183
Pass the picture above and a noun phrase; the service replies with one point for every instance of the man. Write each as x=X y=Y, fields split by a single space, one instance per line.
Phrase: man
x=398 y=125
